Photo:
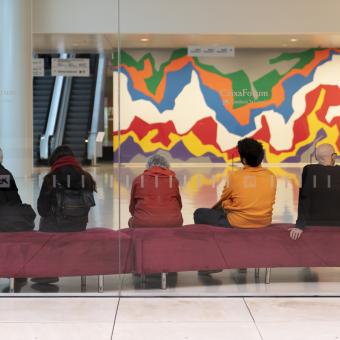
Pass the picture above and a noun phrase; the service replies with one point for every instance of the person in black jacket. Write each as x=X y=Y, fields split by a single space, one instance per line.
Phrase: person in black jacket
x=66 y=184
x=66 y=197
x=8 y=189
x=14 y=215
x=319 y=193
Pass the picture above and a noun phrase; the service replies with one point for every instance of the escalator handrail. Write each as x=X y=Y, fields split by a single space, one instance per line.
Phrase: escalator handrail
x=52 y=115
x=97 y=107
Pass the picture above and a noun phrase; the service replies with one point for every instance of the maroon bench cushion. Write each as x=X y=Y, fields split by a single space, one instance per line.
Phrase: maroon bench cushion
x=16 y=249
x=267 y=247
x=175 y=249
x=91 y=252
x=200 y=247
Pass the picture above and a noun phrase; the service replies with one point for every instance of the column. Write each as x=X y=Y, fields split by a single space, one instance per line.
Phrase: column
x=16 y=119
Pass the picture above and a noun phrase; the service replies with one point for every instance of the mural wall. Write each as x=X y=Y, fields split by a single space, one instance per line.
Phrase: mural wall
x=196 y=109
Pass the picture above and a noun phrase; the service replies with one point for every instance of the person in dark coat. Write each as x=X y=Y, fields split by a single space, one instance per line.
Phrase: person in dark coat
x=65 y=179
x=155 y=198
x=60 y=203
x=14 y=215
x=319 y=194
x=8 y=189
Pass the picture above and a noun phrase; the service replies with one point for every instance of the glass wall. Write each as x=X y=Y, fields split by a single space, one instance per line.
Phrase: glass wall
x=121 y=169
x=189 y=99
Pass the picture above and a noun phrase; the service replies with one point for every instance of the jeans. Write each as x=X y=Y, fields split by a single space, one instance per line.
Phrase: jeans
x=215 y=217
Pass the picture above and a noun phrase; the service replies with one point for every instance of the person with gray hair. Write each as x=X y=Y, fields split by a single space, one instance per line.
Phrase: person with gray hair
x=319 y=193
x=155 y=198
x=157 y=160
x=8 y=189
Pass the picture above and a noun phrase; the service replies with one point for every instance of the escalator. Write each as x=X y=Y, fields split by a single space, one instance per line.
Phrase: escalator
x=42 y=95
x=80 y=109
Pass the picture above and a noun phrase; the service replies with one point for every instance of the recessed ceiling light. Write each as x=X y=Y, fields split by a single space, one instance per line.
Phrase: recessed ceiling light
x=293 y=40
x=144 y=39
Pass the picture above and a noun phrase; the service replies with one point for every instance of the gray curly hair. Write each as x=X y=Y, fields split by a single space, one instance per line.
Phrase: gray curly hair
x=157 y=160
x=1 y=156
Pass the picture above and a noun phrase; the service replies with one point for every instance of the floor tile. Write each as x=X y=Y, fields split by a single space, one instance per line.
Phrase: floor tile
x=55 y=331
x=182 y=310
x=187 y=331
x=295 y=309
x=63 y=310
x=299 y=330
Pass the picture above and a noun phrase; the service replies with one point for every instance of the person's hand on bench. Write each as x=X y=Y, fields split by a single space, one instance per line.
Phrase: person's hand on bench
x=295 y=233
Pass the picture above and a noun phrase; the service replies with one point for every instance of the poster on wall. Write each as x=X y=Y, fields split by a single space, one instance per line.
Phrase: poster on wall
x=73 y=67
x=38 y=67
x=196 y=109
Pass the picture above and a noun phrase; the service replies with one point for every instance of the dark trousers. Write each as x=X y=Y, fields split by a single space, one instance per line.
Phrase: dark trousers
x=215 y=217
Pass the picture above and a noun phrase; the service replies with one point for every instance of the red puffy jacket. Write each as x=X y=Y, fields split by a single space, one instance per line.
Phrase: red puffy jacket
x=155 y=200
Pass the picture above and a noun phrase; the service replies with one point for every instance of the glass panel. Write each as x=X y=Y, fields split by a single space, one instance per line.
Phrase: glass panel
x=190 y=98
x=56 y=141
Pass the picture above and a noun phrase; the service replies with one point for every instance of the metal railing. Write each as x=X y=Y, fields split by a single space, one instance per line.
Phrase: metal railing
x=52 y=116
x=97 y=109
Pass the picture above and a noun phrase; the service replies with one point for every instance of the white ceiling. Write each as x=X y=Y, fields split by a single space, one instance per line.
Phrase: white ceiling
x=107 y=42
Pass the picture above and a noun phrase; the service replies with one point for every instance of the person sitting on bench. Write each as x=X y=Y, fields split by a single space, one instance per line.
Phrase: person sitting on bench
x=319 y=195
x=8 y=188
x=14 y=215
x=248 y=196
x=155 y=198
x=66 y=195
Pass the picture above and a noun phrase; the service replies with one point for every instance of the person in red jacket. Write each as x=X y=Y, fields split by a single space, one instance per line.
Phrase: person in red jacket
x=155 y=197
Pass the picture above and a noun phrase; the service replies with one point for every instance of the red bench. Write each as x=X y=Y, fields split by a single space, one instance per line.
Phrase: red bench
x=158 y=250
x=95 y=251
x=201 y=247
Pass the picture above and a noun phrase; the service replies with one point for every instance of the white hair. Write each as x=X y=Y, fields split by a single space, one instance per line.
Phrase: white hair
x=1 y=156
x=157 y=160
x=324 y=153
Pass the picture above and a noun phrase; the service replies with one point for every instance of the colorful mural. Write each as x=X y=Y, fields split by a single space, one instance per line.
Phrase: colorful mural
x=193 y=109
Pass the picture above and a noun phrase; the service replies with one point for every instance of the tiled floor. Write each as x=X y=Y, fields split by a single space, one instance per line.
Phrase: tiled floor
x=170 y=318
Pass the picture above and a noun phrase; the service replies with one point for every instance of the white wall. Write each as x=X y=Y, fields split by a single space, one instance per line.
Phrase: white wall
x=73 y=16
x=187 y=16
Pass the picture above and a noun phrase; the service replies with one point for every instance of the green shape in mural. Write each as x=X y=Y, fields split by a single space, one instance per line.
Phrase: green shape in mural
x=157 y=75
x=304 y=57
x=241 y=85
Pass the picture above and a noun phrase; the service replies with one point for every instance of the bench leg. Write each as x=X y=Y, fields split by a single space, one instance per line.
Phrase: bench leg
x=83 y=283
x=257 y=274
x=101 y=284
x=142 y=281
x=163 y=280
x=11 y=285
x=268 y=270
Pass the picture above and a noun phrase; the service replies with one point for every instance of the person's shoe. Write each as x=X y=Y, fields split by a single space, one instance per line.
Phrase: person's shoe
x=45 y=280
x=45 y=288
x=21 y=280
x=18 y=284
x=208 y=272
x=242 y=270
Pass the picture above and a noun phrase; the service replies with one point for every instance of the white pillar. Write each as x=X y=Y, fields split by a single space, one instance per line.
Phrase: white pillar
x=16 y=122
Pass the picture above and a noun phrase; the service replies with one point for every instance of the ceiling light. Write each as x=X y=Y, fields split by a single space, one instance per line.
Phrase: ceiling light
x=144 y=39
x=293 y=40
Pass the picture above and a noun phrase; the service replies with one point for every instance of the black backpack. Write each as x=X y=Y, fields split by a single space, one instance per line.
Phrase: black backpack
x=73 y=203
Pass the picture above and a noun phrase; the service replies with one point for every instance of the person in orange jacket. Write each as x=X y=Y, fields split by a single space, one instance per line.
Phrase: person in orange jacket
x=248 y=196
